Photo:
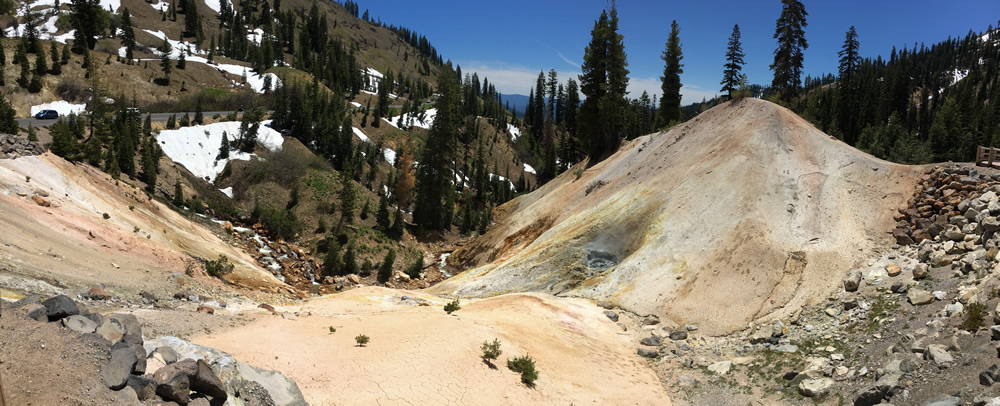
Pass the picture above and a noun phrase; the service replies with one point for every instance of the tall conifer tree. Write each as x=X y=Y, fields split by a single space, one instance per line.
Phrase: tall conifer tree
x=670 y=103
x=733 y=68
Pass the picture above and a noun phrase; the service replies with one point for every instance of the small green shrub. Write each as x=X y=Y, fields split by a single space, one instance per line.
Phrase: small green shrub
x=526 y=366
x=333 y=329
x=413 y=271
x=106 y=216
x=362 y=340
x=219 y=266
x=491 y=350
x=452 y=307
x=975 y=317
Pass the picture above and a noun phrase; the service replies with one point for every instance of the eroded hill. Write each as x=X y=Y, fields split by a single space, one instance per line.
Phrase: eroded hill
x=745 y=212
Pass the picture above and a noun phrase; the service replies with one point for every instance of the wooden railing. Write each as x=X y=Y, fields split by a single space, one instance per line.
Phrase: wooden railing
x=986 y=156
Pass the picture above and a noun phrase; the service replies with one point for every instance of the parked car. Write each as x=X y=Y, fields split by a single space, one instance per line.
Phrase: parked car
x=47 y=115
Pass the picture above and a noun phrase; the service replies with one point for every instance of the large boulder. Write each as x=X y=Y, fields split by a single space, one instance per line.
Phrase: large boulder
x=651 y=341
x=205 y=381
x=144 y=387
x=647 y=353
x=919 y=297
x=111 y=330
x=116 y=372
x=939 y=354
x=60 y=307
x=815 y=388
x=176 y=389
x=133 y=330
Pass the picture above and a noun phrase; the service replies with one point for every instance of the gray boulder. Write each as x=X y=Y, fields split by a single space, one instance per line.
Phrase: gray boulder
x=919 y=297
x=79 y=324
x=133 y=330
x=647 y=353
x=679 y=335
x=815 y=388
x=205 y=381
x=144 y=387
x=852 y=281
x=168 y=354
x=111 y=330
x=611 y=315
x=116 y=372
x=939 y=354
x=60 y=307
x=177 y=389
x=651 y=341
x=37 y=312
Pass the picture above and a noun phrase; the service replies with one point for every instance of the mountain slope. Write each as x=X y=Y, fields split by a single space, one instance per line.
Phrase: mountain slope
x=744 y=212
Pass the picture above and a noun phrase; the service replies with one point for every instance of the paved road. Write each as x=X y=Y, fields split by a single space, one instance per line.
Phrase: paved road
x=158 y=117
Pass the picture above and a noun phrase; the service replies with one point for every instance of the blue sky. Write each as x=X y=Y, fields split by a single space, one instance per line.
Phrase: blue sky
x=510 y=41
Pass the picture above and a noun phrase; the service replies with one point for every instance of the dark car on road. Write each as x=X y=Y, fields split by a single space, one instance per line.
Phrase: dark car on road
x=47 y=115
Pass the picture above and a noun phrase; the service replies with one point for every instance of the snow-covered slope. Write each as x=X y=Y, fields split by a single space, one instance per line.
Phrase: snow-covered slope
x=197 y=147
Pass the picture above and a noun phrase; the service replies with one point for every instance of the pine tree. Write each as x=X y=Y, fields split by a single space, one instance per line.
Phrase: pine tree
x=56 y=68
x=199 y=118
x=538 y=125
x=87 y=20
x=331 y=264
x=385 y=270
x=734 y=63
x=348 y=199
x=670 y=103
x=434 y=175
x=550 y=86
x=604 y=81
x=64 y=58
x=211 y=51
x=3 y=56
x=847 y=98
x=382 y=216
x=182 y=60
x=788 y=56
x=178 y=194
x=172 y=121
x=192 y=24
x=41 y=66
x=148 y=162
x=224 y=147
x=396 y=232
x=165 y=50
x=350 y=262
x=8 y=123
x=128 y=36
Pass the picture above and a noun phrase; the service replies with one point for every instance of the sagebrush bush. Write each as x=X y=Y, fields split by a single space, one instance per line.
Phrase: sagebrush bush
x=362 y=340
x=975 y=317
x=452 y=307
x=491 y=350
x=526 y=366
x=219 y=266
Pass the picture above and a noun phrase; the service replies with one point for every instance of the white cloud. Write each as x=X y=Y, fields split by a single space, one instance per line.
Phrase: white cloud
x=567 y=60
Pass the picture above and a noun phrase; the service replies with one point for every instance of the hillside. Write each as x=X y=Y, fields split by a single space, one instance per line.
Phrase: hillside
x=746 y=212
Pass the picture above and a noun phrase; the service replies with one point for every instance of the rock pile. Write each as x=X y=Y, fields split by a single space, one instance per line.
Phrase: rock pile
x=165 y=369
x=944 y=205
x=13 y=146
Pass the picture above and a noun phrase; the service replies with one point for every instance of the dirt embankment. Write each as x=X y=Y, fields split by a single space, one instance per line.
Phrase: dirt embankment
x=746 y=211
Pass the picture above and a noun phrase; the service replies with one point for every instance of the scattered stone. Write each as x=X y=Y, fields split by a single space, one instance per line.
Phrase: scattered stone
x=679 y=335
x=79 y=324
x=919 y=297
x=205 y=381
x=651 y=341
x=687 y=382
x=852 y=281
x=995 y=332
x=833 y=311
x=787 y=348
x=148 y=298
x=650 y=320
x=989 y=376
x=144 y=387
x=721 y=367
x=893 y=270
x=898 y=287
x=355 y=279
x=206 y=309
x=605 y=305
x=648 y=353
x=611 y=315
x=168 y=354
x=691 y=327
x=37 y=312
x=953 y=309
x=815 y=388
x=267 y=307
x=920 y=271
x=96 y=293
x=60 y=307
x=133 y=330
x=177 y=388
x=939 y=354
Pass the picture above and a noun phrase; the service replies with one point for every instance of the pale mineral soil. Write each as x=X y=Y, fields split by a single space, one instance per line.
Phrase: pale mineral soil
x=420 y=355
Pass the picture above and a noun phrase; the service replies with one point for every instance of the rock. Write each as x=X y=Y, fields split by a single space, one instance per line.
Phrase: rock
x=815 y=388
x=679 y=335
x=37 y=312
x=902 y=238
x=60 y=307
x=41 y=201
x=648 y=353
x=893 y=270
x=920 y=271
x=944 y=400
x=606 y=305
x=787 y=348
x=355 y=279
x=852 y=281
x=79 y=324
x=953 y=309
x=919 y=297
x=168 y=354
x=199 y=402
x=267 y=307
x=206 y=309
x=144 y=387
x=833 y=311
x=721 y=367
x=111 y=330
x=177 y=388
x=687 y=382
x=952 y=232
x=991 y=224
x=96 y=293
x=611 y=315
x=133 y=330
x=205 y=381
x=651 y=341
x=939 y=354
x=898 y=287
x=995 y=332
x=118 y=369
x=989 y=376
x=650 y=321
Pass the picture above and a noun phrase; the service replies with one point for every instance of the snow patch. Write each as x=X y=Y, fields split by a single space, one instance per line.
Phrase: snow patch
x=958 y=74
x=216 y=4
x=514 y=132
x=228 y=191
x=529 y=169
x=413 y=119
x=390 y=156
x=64 y=108
x=357 y=131
x=196 y=147
x=255 y=36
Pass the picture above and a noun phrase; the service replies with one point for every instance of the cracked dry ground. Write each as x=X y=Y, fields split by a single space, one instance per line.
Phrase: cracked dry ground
x=418 y=355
